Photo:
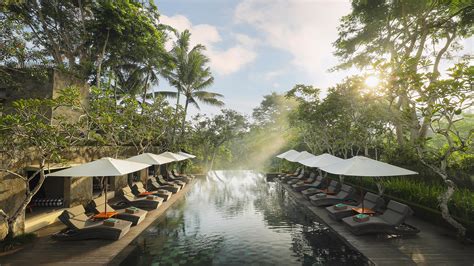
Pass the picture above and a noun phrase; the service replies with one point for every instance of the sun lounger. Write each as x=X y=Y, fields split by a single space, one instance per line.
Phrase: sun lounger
x=317 y=183
x=290 y=179
x=332 y=188
x=287 y=177
x=132 y=214
x=175 y=173
x=371 y=201
x=139 y=191
x=81 y=227
x=297 y=171
x=154 y=185
x=162 y=181
x=344 y=195
x=390 y=222
x=148 y=203
x=174 y=178
x=309 y=180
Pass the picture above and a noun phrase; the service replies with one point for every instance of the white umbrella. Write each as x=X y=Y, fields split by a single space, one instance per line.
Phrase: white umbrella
x=282 y=155
x=303 y=155
x=321 y=160
x=292 y=156
x=185 y=154
x=151 y=158
x=363 y=166
x=176 y=157
x=103 y=167
x=190 y=156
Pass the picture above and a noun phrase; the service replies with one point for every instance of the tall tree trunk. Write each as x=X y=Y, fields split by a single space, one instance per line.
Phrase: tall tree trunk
x=173 y=136
x=184 y=118
x=101 y=58
x=145 y=90
x=446 y=197
x=213 y=158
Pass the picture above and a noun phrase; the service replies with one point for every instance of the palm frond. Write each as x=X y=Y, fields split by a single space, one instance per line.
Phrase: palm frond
x=168 y=94
x=207 y=94
x=192 y=101
x=212 y=102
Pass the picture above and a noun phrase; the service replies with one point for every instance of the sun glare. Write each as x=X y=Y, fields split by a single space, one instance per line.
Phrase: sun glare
x=372 y=81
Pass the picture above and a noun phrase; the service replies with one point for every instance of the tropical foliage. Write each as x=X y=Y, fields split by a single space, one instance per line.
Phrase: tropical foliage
x=418 y=116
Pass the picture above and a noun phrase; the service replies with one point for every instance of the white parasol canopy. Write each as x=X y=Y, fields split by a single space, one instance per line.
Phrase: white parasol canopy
x=176 y=157
x=102 y=167
x=151 y=158
x=282 y=155
x=292 y=156
x=321 y=160
x=190 y=156
x=303 y=156
x=363 y=166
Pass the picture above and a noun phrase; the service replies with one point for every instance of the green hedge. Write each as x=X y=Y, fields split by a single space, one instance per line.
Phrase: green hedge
x=424 y=194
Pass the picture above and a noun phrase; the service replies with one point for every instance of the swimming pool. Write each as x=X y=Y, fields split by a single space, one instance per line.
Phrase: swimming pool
x=237 y=218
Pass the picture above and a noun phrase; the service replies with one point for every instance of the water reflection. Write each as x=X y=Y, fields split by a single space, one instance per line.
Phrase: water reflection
x=234 y=218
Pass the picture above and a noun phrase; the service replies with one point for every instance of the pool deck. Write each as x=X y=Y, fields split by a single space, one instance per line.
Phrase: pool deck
x=45 y=250
x=432 y=246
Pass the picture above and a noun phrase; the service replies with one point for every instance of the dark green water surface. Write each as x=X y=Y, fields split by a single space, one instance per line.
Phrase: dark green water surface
x=237 y=218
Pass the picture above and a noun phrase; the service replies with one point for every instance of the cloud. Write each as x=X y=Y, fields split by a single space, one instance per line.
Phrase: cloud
x=305 y=29
x=223 y=61
x=273 y=74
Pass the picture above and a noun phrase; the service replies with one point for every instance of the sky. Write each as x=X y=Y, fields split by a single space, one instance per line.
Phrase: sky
x=261 y=46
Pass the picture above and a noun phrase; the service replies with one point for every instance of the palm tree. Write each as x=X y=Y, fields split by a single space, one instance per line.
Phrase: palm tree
x=190 y=76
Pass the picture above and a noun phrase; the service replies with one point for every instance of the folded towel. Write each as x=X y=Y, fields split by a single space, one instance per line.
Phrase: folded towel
x=340 y=206
x=361 y=217
x=321 y=195
x=132 y=210
x=111 y=222
x=151 y=197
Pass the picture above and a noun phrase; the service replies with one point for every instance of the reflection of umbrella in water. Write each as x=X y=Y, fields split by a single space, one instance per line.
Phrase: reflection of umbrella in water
x=103 y=167
x=363 y=166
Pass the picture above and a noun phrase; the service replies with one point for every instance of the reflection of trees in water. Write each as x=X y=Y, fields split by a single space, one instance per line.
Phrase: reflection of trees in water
x=192 y=249
x=312 y=241
x=229 y=196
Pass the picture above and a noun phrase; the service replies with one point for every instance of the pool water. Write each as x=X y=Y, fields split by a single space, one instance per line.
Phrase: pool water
x=238 y=218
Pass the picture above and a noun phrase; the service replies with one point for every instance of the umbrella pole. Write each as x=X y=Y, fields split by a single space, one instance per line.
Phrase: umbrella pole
x=361 y=194
x=147 y=175
x=106 y=183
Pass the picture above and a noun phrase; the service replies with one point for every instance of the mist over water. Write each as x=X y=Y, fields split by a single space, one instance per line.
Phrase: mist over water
x=235 y=218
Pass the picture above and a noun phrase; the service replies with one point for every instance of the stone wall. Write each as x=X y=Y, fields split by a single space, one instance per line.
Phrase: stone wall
x=77 y=190
x=33 y=84
x=63 y=80
x=118 y=182
x=27 y=83
x=12 y=194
